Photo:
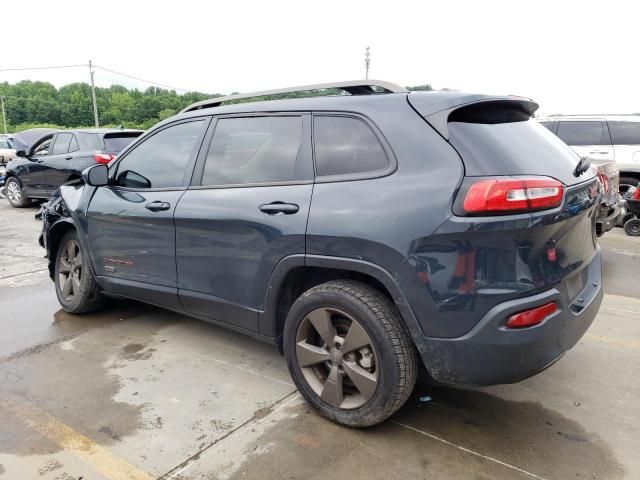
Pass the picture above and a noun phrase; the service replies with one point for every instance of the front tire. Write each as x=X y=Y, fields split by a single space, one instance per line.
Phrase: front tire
x=349 y=353
x=76 y=286
x=15 y=194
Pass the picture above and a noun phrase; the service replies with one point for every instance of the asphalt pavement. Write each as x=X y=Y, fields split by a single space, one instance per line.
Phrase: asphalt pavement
x=135 y=392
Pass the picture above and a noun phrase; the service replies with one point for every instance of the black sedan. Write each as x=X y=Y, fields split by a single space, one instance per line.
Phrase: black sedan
x=48 y=158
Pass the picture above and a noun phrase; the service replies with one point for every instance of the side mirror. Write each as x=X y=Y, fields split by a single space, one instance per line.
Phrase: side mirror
x=96 y=175
x=21 y=153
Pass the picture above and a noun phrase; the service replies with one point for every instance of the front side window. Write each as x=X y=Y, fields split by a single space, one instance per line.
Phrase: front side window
x=346 y=145
x=248 y=150
x=42 y=148
x=625 y=133
x=61 y=144
x=583 y=133
x=161 y=160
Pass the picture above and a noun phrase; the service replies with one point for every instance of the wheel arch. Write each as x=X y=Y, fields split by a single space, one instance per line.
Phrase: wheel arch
x=55 y=234
x=298 y=273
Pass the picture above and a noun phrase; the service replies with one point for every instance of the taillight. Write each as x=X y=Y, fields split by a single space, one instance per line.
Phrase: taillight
x=498 y=195
x=532 y=317
x=604 y=181
x=636 y=194
x=103 y=157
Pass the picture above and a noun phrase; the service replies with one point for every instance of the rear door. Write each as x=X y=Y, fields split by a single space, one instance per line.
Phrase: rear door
x=58 y=165
x=246 y=210
x=588 y=138
x=130 y=222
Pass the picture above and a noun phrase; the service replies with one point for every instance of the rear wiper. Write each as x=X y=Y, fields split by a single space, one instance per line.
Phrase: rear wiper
x=583 y=166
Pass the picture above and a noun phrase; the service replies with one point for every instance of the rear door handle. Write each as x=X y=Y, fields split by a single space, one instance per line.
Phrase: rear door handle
x=68 y=158
x=601 y=152
x=276 y=208
x=157 y=206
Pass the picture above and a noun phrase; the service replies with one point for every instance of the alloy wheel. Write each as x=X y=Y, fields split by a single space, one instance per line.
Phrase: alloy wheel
x=70 y=270
x=337 y=358
x=13 y=192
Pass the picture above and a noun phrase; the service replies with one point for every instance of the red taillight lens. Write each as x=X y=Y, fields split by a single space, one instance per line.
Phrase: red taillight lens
x=513 y=195
x=636 y=194
x=103 y=157
x=528 y=318
x=604 y=181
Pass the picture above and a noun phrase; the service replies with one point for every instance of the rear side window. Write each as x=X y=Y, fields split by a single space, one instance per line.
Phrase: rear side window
x=61 y=144
x=256 y=150
x=91 y=141
x=346 y=145
x=583 y=133
x=547 y=125
x=161 y=160
x=625 y=133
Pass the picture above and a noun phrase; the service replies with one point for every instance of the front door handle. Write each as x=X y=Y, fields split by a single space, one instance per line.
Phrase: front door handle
x=276 y=208
x=157 y=206
x=68 y=158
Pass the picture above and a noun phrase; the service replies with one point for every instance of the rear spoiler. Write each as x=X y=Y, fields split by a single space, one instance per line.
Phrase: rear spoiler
x=437 y=108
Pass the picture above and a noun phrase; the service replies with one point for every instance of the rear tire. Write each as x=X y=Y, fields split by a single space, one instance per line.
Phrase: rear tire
x=632 y=227
x=15 y=194
x=75 y=283
x=349 y=353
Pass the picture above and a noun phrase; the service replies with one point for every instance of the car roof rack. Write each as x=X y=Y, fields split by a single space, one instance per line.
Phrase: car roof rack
x=354 y=87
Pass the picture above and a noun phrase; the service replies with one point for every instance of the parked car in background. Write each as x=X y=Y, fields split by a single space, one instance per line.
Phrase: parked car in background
x=604 y=138
x=590 y=138
x=360 y=233
x=7 y=152
x=48 y=158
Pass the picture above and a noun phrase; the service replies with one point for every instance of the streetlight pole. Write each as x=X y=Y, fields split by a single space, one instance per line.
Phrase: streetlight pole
x=4 y=114
x=367 y=61
x=93 y=96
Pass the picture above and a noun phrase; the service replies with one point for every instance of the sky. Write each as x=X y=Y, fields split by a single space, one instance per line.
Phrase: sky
x=569 y=56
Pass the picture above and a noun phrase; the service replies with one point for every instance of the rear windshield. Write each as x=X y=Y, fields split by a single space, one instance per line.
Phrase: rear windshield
x=116 y=143
x=522 y=147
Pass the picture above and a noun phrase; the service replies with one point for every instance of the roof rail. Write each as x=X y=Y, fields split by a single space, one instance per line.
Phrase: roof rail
x=354 y=87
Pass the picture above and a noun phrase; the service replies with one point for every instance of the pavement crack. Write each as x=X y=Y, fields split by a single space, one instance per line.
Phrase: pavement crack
x=258 y=416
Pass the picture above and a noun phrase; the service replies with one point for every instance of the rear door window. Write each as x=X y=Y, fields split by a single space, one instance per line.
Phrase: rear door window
x=73 y=145
x=61 y=144
x=625 y=133
x=583 y=133
x=345 y=146
x=249 y=150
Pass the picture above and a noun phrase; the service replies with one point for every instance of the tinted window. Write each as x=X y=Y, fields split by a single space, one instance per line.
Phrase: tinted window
x=91 y=141
x=73 y=145
x=583 y=133
x=547 y=125
x=346 y=145
x=61 y=144
x=161 y=160
x=116 y=143
x=625 y=133
x=42 y=148
x=256 y=150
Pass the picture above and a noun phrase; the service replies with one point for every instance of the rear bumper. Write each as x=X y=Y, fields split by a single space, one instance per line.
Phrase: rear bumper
x=491 y=354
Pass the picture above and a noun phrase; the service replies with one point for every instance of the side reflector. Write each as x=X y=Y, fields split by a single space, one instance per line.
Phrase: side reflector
x=511 y=194
x=528 y=318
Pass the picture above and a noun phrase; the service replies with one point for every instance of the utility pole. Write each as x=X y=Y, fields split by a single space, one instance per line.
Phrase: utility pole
x=367 y=61
x=93 y=96
x=4 y=114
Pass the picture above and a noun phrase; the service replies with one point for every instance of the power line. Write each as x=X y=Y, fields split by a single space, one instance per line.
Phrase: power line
x=41 y=68
x=142 y=80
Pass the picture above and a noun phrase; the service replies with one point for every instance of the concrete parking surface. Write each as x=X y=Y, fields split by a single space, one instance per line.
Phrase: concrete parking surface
x=135 y=392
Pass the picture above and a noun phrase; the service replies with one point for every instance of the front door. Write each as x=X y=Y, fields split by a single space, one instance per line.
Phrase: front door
x=130 y=222
x=58 y=165
x=31 y=173
x=247 y=210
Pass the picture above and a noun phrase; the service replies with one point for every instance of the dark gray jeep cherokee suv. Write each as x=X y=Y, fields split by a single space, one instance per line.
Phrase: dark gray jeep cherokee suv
x=361 y=233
